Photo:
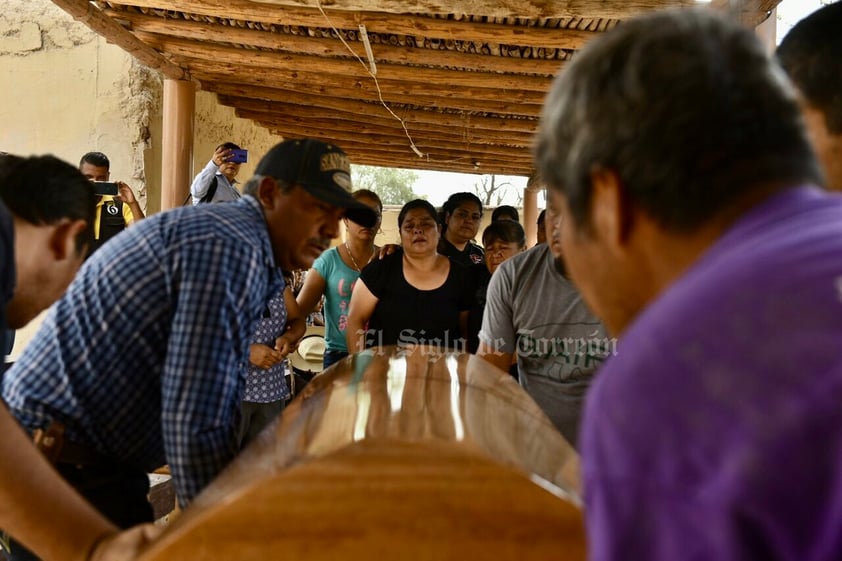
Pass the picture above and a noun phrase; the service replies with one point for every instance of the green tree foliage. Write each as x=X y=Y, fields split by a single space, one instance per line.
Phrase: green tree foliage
x=394 y=186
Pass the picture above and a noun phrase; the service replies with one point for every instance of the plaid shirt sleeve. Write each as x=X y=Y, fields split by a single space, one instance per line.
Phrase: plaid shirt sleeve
x=202 y=378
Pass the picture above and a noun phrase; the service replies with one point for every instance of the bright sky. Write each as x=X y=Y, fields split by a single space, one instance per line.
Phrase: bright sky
x=438 y=185
x=791 y=11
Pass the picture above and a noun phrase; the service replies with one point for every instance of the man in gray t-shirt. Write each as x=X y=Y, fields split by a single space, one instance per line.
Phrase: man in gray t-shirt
x=533 y=310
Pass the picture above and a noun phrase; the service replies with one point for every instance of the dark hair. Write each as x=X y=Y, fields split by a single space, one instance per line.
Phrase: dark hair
x=97 y=159
x=507 y=231
x=412 y=205
x=452 y=203
x=228 y=146
x=366 y=193
x=44 y=190
x=686 y=108
x=503 y=212
x=542 y=217
x=811 y=53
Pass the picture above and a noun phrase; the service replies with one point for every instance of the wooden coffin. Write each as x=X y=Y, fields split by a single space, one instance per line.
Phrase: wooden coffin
x=407 y=454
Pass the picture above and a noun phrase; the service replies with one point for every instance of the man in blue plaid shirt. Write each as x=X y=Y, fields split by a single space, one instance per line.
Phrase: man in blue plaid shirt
x=141 y=363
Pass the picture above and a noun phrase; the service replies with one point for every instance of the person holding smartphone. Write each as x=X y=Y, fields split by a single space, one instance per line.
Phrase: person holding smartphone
x=116 y=205
x=215 y=183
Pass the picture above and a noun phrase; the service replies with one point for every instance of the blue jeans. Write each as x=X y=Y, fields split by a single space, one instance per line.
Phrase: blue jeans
x=332 y=357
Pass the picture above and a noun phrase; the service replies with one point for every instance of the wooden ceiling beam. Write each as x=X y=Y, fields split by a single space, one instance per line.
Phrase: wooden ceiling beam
x=385 y=137
x=424 y=140
x=498 y=168
x=349 y=68
x=747 y=12
x=386 y=152
x=319 y=46
x=400 y=145
x=454 y=99
x=499 y=8
x=404 y=105
x=461 y=163
x=378 y=21
x=362 y=125
x=376 y=114
x=363 y=153
x=466 y=160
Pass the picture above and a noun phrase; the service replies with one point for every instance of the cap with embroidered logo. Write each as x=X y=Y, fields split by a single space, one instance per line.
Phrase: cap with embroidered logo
x=321 y=169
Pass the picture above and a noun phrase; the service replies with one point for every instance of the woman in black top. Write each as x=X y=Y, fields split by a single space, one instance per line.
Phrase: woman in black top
x=460 y=218
x=413 y=297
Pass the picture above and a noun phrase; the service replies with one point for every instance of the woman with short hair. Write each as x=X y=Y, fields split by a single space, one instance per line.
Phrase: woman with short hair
x=501 y=240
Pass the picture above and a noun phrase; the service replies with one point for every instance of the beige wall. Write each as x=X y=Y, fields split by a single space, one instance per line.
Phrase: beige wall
x=65 y=92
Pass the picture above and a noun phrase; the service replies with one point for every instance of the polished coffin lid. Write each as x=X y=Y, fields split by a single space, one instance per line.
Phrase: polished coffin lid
x=409 y=454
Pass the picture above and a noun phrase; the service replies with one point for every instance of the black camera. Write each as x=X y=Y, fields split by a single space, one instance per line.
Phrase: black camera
x=105 y=188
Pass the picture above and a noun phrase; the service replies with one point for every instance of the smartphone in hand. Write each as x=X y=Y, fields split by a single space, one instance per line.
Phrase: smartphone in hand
x=105 y=188
x=238 y=156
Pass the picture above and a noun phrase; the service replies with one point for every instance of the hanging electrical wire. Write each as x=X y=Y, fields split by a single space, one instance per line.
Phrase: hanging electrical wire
x=371 y=69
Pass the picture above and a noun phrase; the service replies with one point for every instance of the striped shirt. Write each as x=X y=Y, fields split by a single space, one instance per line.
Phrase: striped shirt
x=143 y=358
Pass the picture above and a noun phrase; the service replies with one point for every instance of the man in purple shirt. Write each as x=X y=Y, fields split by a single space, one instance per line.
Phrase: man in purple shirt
x=695 y=227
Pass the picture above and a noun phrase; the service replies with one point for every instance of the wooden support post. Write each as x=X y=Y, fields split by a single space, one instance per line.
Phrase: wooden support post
x=177 y=157
x=530 y=215
x=767 y=31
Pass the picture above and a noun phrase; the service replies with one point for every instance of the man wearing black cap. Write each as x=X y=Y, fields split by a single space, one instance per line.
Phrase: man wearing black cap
x=140 y=363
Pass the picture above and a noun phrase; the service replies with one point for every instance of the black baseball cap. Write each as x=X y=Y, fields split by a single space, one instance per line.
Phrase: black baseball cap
x=321 y=169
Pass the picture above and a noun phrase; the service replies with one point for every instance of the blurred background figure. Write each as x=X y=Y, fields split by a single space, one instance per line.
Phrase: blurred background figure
x=460 y=219
x=505 y=212
x=541 y=233
x=215 y=183
x=501 y=240
x=113 y=212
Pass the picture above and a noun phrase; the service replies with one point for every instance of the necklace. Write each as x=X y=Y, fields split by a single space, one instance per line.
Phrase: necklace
x=354 y=261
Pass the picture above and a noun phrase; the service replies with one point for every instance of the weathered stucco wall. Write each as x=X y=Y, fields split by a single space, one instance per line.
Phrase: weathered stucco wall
x=66 y=91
